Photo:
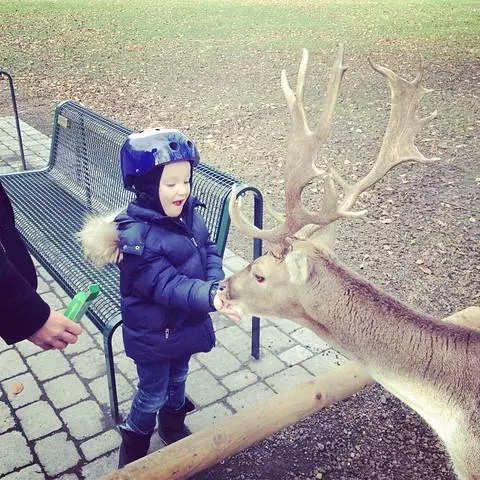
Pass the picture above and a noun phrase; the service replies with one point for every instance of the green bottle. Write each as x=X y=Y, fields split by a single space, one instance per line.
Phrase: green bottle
x=81 y=301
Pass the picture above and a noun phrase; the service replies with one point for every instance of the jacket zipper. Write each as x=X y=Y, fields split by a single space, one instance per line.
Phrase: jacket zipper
x=167 y=333
x=189 y=231
x=3 y=248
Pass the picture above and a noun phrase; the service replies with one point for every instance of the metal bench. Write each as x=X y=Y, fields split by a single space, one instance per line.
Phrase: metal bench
x=83 y=177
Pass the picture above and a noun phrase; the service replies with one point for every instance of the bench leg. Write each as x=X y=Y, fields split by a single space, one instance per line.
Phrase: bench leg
x=112 y=384
x=255 y=338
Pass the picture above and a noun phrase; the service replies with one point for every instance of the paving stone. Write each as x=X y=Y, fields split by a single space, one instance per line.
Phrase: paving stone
x=194 y=364
x=117 y=341
x=207 y=417
x=41 y=272
x=36 y=147
x=14 y=452
x=3 y=345
x=99 y=388
x=295 y=355
x=84 y=342
x=53 y=300
x=84 y=419
x=127 y=366
x=104 y=443
x=275 y=340
x=245 y=355
x=288 y=378
x=227 y=272
x=250 y=396
x=38 y=419
x=310 y=340
x=90 y=364
x=246 y=324
x=12 y=364
x=68 y=476
x=235 y=263
x=219 y=361
x=88 y=326
x=220 y=321
x=100 y=467
x=33 y=472
x=56 y=453
x=65 y=390
x=203 y=388
x=30 y=393
x=124 y=408
x=5 y=168
x=48 y=364
x=287 y=326
x=228 y=254
x=6 y=420
x=239 y=380
x=59 y=291
x=234 y=339
x=324 y=361
x=27 y=348
x=266 y=365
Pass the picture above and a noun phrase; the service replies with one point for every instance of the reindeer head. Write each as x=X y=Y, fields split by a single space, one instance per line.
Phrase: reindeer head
x=276 y=283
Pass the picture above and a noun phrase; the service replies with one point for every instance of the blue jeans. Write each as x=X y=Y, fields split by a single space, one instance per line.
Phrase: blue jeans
x=160 y=384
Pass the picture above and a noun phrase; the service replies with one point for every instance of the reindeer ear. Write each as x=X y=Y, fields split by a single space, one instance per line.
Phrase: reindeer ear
x=297 y=266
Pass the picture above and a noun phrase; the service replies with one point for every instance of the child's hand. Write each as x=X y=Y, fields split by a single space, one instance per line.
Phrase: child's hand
x=222 y=307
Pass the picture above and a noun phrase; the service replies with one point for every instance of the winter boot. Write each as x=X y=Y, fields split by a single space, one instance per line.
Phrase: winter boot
x=133 y=447
x=171 y=423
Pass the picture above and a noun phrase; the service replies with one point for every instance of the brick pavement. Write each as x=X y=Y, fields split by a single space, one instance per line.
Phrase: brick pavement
x=59 y=425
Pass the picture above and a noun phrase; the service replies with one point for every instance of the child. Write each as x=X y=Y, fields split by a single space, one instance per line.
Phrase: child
x=169 y=274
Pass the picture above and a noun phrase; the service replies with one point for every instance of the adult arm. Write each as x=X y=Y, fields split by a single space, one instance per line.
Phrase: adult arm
x=24 y=315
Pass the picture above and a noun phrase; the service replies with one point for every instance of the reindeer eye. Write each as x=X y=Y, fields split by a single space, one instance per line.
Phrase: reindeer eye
x=259 y=278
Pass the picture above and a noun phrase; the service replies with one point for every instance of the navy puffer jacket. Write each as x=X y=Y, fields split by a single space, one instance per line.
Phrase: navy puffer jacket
x=168 y=267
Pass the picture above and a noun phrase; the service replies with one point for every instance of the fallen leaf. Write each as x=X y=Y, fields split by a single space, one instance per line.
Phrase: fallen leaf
x=17 y=388
x=425 y=269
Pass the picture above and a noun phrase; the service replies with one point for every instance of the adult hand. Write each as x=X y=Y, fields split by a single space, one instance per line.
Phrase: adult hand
x=223 y=307
x=57 y=332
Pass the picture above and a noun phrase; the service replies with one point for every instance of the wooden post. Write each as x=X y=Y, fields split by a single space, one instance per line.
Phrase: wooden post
x=208 y=447
x=236 y=433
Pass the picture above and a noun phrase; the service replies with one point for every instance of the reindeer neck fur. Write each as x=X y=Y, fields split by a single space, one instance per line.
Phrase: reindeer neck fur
x=389 y=338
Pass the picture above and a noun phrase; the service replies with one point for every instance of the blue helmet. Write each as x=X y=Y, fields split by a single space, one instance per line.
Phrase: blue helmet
x=143 y=151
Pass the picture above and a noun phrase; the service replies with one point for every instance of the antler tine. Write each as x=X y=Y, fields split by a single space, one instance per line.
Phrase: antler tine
x=398 y=143
x=300 y=168
x=322 y=131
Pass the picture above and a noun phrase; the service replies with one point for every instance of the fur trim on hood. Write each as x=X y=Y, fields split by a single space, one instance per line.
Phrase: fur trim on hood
x=99 y=240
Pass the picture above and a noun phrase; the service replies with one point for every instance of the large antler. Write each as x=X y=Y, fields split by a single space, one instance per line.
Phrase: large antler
x=305 y=146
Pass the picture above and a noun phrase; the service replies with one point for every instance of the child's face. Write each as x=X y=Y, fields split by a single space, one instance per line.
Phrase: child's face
x=174 y=187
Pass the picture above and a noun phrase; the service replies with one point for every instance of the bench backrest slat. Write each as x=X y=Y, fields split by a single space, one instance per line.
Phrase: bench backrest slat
x=85 y=158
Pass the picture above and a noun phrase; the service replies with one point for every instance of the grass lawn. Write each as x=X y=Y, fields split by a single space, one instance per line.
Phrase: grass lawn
x=99 y=38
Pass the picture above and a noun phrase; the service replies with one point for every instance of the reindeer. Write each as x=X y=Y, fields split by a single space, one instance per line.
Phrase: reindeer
x=432 y=366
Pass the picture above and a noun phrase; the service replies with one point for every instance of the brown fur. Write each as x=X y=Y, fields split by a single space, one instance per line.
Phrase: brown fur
x=433 y=366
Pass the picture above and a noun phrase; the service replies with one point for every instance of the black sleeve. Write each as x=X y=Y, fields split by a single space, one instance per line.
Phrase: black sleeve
x=22 y=310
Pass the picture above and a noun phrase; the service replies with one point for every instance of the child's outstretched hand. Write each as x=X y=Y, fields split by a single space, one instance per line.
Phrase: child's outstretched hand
x=223 y=307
